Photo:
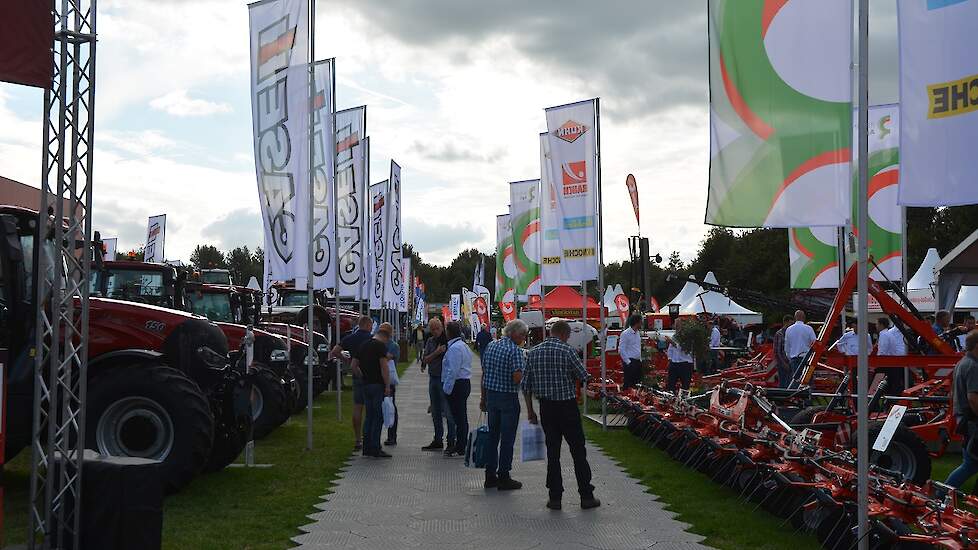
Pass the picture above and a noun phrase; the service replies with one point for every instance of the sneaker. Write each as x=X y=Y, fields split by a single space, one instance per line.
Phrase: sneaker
x=491 y=481
x=358 y=446
x=381 y=454
x=588 y=503
x=554 y=503
x=453 y=453
x=391 y=443
x=508 y=484
x=433 y=446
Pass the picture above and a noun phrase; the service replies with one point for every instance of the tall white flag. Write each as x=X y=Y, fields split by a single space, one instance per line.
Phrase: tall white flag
x=939 y=102
x=395 y=286
x=550 y=250
x=524 y=216
x=573 y=161
x=350 y=124
x=279 y=31
x=378 y=243
x=109 y=247
x=405 y=279
x=323 y=205
x=155 y=239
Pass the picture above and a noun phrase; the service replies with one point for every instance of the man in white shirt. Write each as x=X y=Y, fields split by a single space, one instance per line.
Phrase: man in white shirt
x=713 y=363
x=680 y=365
x=798 y=340
x=630 y=351
x=891 y=343
x=848 y=344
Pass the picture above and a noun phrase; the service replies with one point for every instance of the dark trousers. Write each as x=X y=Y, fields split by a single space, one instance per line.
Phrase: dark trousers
x=503 y=413
x=561 y=420
x=457 y=403
x=439 y=409
x=894 y=379
x=631 y=373
x=679 y=373
x=392 y=431
x=373 y=422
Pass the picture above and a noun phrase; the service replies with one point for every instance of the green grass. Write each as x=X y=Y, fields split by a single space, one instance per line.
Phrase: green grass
x=712 y=510
x=238 y=508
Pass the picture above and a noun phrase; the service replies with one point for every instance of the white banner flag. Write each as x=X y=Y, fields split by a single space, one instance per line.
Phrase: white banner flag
x=550 y=253
x=939 y=97
x=322 y=170
x=350 y=192
x=109 y=246
x=155 y=239
x=524 y=217
x=395 y=287
x=455 y=307
x=573 y=161
x=280 y=118
x=405 y=277
x=362 y=153
x=378 y=243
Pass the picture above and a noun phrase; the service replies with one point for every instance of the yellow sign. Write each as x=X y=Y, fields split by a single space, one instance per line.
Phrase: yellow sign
x=953 y=98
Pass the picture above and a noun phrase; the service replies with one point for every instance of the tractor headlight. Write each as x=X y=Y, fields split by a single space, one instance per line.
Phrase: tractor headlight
x=278 y=355
x=322 y=348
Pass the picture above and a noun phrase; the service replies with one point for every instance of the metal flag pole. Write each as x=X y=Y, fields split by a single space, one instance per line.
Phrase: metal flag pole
x=584 y=329
x=336 y=240
x=904 y=273
x=310 y=280
x=600 y=247
x=862 y=434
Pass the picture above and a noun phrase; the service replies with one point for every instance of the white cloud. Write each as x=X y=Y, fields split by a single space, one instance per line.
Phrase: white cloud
x=178 y=103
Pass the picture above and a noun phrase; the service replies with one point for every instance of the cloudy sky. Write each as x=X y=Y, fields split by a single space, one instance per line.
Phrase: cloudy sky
x=455 y=91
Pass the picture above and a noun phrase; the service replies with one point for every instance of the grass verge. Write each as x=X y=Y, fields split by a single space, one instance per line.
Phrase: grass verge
x=236 y=508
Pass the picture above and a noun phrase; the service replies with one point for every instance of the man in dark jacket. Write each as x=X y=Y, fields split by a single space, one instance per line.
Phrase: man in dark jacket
x=482 y=339
x=780 y=356
x=434 y=353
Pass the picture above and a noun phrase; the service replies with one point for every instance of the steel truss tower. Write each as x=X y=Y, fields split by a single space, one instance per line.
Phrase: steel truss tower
x=61 y=345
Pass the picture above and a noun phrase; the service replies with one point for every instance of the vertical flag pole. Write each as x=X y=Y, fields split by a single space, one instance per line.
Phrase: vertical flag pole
x=584 y=329
x=365 y=223
x=310 y=280
x=601 y=333
x=862 y=435
x=336 y=239
x=904 y=272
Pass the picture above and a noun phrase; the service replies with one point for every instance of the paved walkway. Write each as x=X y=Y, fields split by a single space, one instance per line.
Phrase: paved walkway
x=422 y=500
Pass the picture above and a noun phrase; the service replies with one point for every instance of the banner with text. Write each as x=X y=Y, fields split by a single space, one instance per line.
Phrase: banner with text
x=505 y=265
x=405 y=277
x=350 y=191
x=455 y=307
x=323 y=205
x=524 y=215
x=378 y=243
x=780 y=113
x=394 y=292
x=573 y=162
x=550 y=250
x=155 y=240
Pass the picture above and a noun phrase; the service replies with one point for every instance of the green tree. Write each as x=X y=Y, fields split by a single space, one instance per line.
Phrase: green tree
x=207 y=256
x=242 y=265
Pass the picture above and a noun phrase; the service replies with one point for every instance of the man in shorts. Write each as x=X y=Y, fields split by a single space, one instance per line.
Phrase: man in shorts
x=350 y=344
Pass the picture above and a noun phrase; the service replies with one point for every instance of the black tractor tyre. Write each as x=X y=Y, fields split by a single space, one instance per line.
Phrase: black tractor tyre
x=151 y=411
x=270 y=406
x=291 y=392
x=232 y=425
x=906 y=453
x=301 y=377
x=806 y=415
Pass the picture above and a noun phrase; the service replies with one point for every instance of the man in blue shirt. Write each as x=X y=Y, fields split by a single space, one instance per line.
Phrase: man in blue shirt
x=351 y=343
x=482 y=340
x=502 y=370
x=456 y=372
x=552 y=371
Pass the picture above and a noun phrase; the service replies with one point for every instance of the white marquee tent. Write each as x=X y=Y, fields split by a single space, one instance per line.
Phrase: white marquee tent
x=717 y=304
x=922 y=287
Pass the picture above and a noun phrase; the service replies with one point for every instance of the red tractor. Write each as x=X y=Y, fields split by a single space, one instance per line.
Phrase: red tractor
x=160 y=383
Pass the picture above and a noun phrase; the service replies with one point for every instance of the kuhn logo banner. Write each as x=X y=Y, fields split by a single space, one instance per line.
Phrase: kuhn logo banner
x=505 y=263
x=394 y=293
x=573 y=168
x=280 y=118
x=350 y=193
x=378 y=243
x=780 y=113
x=323 y=217
x=939 y=96
x=524 y=215
x=155 y=239
x=550 y=222
x=813 y=252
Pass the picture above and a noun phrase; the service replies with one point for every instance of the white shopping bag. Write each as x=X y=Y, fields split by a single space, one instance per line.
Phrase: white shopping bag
x=388 y=412
x=392 y=368
x=533 y=446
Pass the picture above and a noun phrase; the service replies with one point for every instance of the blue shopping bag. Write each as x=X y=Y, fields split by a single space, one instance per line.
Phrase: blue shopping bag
x=476 y=446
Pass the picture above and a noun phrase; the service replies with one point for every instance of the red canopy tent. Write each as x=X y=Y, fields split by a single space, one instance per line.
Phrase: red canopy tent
x=565 y=301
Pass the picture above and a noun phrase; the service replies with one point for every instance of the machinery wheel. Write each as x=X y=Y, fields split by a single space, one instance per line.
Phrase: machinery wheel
x=269 y=401
x=299 y=372
x=291 y=392
x=906 y=453
x=151 y=411
x=806 y=415
x=232 y=425
x=835 y=528
x=320 y=380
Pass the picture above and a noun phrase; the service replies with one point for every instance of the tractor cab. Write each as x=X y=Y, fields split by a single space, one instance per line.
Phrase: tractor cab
x=215 y=277
x=142 y=282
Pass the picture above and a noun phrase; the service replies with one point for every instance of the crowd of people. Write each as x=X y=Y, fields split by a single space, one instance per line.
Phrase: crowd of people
x=548 y=373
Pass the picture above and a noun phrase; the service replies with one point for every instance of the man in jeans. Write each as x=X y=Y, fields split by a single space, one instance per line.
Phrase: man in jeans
x=434 y=353
x=552 y=370
x=456 y=372
x=502 y=371
x=798 y=340
x=351 y=343
x=370 y=364
x=966 y=409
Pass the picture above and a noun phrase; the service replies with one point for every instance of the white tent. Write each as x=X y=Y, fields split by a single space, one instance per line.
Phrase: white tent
x=718 y=304
x=923 y=278
x=689 y=291
x=922 y=286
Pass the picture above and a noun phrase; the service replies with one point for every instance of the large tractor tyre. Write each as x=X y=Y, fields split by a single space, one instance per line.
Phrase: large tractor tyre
x=151 y=411
x=906 y=453
x=232 y=426
x=320 y=379
x=301 y=377
x=806 y=415
x=291 y=392
x=269 y=401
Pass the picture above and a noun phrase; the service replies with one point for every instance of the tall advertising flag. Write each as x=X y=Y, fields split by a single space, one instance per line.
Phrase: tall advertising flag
x=573 y=161
x=155 y=239
x=323 y=206
x=394 y=292
x=378 y=244
x=813 y=252
x=550 y=222
x=780 y=113
x=939 y=93
x=109 y=247
x=505 y=264
x=279 y=31
x=632 y=186
x=350 y=210
x=455 y=304
x=402 y=306
x=524 y=215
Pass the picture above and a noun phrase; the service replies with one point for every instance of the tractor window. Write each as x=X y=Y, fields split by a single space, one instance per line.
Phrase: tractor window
x=215 y=278
x=135 y=286
x=295 y=299
x=214 y=306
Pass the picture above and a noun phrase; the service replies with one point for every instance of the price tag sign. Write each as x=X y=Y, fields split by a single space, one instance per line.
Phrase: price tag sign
x=889 y=428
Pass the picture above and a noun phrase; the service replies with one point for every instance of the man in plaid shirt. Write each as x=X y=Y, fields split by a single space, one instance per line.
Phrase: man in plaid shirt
x=552 y=370
x=502 y=369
